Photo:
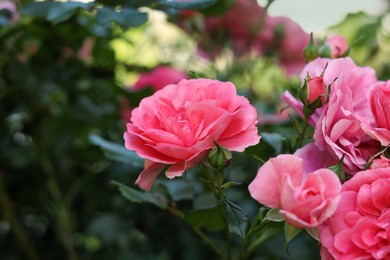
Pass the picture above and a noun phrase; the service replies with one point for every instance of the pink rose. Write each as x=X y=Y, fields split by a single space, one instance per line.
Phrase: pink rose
x=338 y=45
x=360 y=227
x=159 y=77
x=341 y=128
x=341 y=124
x=305 y=201
x=380 y=107
x=179 y=124
x=381 y=162
x=291 y=42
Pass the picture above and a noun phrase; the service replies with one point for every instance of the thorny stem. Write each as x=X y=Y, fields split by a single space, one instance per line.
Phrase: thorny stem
x=16 y=228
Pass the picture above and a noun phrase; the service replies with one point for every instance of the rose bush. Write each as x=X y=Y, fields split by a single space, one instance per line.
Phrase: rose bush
x=304 y=200
x=179 y=124
x=360 y=228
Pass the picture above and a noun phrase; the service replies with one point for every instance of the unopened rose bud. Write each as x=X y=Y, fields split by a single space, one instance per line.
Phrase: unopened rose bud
x=312 y=93
x=219 y=157
x=310 y=51
x=316 y=88
x=325 y=51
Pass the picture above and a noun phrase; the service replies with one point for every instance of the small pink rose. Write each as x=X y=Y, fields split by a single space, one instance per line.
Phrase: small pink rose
x=159 y=77
x=305 y=201
x=381 y=162
x=178 y=125
x=338 y=45
x=360 y=227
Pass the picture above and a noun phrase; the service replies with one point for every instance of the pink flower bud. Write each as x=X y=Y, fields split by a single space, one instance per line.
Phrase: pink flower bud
x=316 y=87
x=338 y=45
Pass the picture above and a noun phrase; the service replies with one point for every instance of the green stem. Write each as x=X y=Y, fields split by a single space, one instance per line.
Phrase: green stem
x=260 y=25
x=301 y=137
x=16 y=228
x=61 y=211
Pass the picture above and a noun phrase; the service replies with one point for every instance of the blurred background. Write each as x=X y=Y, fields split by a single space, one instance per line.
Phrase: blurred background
x=70 y=74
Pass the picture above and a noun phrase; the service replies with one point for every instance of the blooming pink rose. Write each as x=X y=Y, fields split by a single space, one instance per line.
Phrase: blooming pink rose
x=305 y=201
x=179 y=124
x=380 y=107
x=381 y=162
x=338 y=45
x=159 y=77
x=360 y=227
x=340 y=129
x=341 y=124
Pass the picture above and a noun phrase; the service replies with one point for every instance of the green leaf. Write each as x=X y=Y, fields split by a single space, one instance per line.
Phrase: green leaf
x=274 y=215
x=210 y=219
x=38 y=9
x=229 y=184
x=180 y=189
x=313 y=232
x=55 y=12
x=136 y=196
x=236 y=220
x=290 y=232
x=188 y=5
x=126 y=17
x=64 y=11
x=338 y=169
x=117 y=152
x=266 y=230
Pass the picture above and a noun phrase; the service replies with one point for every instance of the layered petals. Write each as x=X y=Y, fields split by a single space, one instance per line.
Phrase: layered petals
x=180 y=123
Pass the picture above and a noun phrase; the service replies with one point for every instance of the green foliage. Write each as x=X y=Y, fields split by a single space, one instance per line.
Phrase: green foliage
x=133 y=195
x=236 y=220
x=117 y=152
x=189 y=5
x=126 y=18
